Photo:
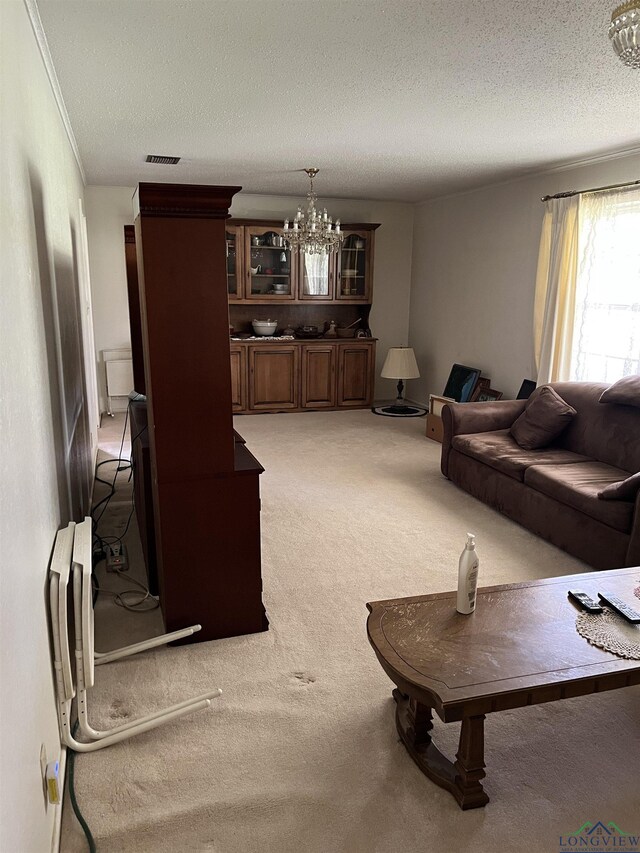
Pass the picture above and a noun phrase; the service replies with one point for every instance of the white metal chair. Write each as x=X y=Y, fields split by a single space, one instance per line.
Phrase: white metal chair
x=73 y=547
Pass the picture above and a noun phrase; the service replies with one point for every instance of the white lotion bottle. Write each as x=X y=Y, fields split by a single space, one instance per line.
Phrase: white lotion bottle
x=468 y=577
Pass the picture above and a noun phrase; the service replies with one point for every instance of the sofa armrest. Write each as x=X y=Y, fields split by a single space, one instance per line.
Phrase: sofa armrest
x=466 y=418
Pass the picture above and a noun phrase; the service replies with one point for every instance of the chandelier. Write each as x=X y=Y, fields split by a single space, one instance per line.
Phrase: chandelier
x=313 y=233
x=624 y=32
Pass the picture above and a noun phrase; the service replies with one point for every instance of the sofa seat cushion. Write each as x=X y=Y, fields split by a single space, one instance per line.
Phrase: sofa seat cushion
x=578 y=486
x=500 y=451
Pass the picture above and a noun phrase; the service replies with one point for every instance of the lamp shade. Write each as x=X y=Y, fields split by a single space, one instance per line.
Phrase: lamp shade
x=400 y=364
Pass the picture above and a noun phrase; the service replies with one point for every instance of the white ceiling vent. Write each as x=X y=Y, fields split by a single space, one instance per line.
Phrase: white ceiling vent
x=165 y=161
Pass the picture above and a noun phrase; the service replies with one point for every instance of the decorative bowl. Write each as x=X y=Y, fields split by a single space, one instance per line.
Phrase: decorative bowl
x=264 y=327
x=346 y=333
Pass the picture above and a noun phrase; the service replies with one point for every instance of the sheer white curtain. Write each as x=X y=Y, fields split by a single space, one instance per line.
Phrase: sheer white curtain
x=606 y=334
x=316 y=270
x=554 y=311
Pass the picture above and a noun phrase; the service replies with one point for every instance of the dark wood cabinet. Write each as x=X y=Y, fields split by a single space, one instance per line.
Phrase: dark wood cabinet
x=270 y=273
x=318 y=376
x=273 y=377
x=261 y=270
x=355 y=266
x=355 y=386
x=238 y=378
x=235 y=261
x=279 y=377
x=265 y=280
x=135 y=319
x=205 y=483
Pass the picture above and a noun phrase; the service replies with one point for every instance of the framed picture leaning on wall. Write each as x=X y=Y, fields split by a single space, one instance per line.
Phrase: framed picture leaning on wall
x=461 y=383
x=485 y=395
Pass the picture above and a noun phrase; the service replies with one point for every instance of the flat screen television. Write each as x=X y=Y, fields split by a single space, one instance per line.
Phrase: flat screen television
x=461 y=382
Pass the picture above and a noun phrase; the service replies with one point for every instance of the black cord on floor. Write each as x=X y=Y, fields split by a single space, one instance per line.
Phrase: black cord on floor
x=71 y=759
x=106 y=500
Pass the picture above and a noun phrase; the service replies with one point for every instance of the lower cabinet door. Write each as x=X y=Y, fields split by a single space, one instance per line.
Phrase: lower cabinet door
x=355 y=380
x=273 y=377
x=239 y=378
x=318 y=386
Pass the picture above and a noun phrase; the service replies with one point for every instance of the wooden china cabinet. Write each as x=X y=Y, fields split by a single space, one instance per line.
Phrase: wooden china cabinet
x=205 y=497
x=267 y=281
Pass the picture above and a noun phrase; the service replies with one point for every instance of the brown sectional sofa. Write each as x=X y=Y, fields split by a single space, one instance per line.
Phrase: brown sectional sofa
x=553 y=491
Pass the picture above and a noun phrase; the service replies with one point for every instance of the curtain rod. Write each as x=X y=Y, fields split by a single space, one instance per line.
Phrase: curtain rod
x=570 y=193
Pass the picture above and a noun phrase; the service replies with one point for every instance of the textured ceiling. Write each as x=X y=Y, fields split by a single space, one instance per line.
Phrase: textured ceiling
x=396 y=100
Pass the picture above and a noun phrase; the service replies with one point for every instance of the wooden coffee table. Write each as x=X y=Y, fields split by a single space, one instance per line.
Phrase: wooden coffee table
x=519 y=648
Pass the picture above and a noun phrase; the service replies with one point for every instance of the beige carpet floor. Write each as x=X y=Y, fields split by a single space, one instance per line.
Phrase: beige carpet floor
x=300 y=755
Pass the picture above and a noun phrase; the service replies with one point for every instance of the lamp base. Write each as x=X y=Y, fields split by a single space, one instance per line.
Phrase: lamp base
x=399 y=410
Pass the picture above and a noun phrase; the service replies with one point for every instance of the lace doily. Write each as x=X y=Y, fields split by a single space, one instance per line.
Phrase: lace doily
x=610 y=632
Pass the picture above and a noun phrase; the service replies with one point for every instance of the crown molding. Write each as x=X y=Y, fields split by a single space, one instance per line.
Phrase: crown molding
x=43 y=46
x=191 y=201
x=537 y=172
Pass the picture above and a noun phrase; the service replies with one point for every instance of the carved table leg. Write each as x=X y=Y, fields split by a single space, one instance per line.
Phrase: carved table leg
x=470 y=763
x=462 y=779
x=419 y=720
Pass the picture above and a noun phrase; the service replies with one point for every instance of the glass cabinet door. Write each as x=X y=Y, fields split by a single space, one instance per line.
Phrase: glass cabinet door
x=234 y=261
x=316 y=276
x=269 y=272
x=355 y=268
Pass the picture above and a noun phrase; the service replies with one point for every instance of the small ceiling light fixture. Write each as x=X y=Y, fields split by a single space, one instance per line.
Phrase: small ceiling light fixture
x=624 y=32
x=315 y=233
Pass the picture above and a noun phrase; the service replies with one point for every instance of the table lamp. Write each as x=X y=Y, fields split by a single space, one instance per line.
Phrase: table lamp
x=400 y=364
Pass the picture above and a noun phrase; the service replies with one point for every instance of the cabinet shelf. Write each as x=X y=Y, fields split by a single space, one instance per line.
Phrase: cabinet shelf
x=298 y=273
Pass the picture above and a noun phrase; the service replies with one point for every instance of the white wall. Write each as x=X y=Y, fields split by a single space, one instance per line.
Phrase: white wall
x=474 y=266
x=109 y=209
x=45 y=447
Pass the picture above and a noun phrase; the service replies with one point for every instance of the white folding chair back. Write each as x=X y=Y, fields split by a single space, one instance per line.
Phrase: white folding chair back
x=58 y=582
x=74 y=546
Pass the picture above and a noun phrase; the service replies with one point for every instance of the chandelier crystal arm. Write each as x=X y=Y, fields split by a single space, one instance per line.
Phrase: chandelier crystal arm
x=314 y=233
x=624 y=33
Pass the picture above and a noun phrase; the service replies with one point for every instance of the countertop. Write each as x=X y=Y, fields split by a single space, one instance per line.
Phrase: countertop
x=286 y=339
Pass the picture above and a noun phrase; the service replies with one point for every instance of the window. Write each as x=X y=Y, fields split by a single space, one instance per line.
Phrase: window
x=606 y=332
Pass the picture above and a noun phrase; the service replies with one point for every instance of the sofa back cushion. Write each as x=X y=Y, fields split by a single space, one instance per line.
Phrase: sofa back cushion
x=625 y=391
x=545 y=417
x=607 y=432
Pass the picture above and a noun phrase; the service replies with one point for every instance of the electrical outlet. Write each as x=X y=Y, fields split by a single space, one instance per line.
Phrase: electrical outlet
x=117 y=558
x=43 y=774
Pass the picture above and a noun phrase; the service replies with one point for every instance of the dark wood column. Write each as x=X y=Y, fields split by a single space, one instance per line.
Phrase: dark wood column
x=205 y=484
x=135 y=321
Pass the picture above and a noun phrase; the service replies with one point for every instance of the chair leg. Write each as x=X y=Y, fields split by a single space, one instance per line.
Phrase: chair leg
x=133 y=726
x=119 y=736
x=152 y=643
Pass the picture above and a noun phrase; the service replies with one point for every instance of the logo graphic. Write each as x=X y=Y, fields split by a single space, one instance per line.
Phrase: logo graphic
x=598 y=836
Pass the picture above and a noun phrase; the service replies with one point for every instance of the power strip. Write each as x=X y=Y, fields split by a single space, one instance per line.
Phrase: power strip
x=117 y=559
